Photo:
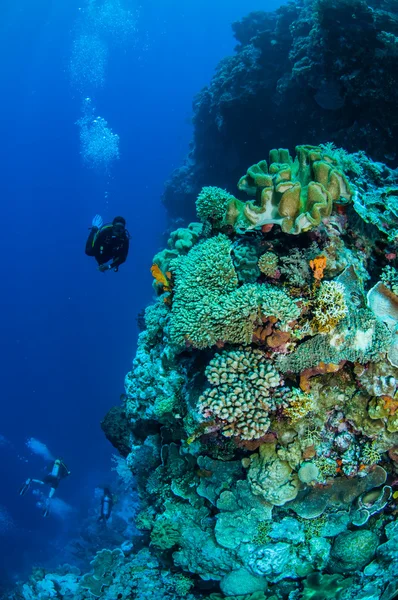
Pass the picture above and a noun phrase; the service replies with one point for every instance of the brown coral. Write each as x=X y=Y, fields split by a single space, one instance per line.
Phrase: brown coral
x=320 y=369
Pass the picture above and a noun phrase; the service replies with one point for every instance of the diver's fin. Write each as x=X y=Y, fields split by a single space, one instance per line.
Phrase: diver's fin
x=25 y=487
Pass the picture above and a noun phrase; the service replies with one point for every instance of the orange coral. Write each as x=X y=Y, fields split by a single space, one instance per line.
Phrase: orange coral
x=390 y=404
x=318 y=266
x=278 y=338
x=321 y=369
x=163 y=279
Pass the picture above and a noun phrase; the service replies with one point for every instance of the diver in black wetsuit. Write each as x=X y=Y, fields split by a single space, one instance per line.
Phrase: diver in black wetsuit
x=108 y=243
x=106 y=505
x=57 y=471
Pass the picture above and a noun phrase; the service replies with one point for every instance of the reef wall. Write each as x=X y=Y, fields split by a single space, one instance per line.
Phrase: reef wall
x=301 y=72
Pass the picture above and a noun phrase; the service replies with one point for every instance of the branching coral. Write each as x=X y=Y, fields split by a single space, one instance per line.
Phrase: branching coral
x=211 y=205
x=268 y=264
x=295 y=268
x=241 y=396
x=296 y=195
x=299 y=404
x=329 y=306
x=209 y=307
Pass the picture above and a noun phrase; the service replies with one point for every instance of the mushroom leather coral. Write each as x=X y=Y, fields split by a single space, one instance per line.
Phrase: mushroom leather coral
x=296 y=195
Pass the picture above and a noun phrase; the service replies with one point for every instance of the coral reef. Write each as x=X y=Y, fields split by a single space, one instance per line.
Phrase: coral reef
x=260 y=416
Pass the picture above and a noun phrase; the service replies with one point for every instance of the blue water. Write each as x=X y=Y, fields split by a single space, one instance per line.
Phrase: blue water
x=68 y=332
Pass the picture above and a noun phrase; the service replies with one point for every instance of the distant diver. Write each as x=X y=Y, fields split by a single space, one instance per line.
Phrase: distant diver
x=106 y=505
x=108 y=243
x=57 y=471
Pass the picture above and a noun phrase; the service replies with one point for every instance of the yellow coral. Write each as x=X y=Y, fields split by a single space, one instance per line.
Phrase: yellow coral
x=161 y=278
x=330 y=306
x=300 y=404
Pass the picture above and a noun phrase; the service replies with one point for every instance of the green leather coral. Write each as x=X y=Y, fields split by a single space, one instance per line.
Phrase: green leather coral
x=296 y=195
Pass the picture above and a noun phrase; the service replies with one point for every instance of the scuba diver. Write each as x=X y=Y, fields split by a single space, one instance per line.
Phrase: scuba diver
x=108 y=243
x=106 y=505
x=57 y=471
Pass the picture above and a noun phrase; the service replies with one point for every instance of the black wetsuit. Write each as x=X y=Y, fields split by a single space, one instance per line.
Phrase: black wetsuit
x=53 y=480
x=105 y=246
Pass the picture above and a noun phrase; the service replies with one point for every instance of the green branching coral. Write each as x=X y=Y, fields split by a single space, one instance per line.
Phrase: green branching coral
x=370 y=454
x=211 y=205
x=241 y=396
x=296 y=195
x=180 y=242
x=209 y=307
x=268 y=264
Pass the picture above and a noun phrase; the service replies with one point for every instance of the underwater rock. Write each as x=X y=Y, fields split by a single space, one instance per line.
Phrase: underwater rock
x=271 y=478
x=242 y=582
x=116 y=428
x=353 y=550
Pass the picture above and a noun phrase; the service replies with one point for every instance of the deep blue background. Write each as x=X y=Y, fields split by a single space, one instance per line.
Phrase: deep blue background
x=68 y=333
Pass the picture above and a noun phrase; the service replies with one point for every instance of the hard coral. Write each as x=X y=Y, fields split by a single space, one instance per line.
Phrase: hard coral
x=242 y=396
x=209 y=307
x=211 y=205
x=330 y=306
x=270 y=477
x=268 y=264
x=299 y=404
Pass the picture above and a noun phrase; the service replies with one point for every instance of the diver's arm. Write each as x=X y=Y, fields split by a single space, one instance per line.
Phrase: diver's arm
x=121 y=258
x=89 y=243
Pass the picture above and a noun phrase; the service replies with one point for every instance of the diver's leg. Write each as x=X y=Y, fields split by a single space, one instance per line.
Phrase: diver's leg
x=27 y=484
x=46 y=509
